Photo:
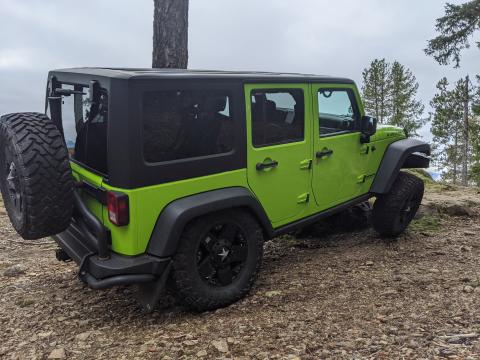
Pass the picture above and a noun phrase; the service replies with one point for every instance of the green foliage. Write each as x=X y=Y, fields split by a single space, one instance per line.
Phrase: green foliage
x=458 y=24
x=448 y=130
x=389 y=93
x=422 y=174
x=476 y=100
x=426 y=224
x=474 y=175
x=406 y=109
x=376 y=89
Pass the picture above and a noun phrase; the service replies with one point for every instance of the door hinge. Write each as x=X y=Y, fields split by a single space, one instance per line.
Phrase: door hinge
x=364 y=177
x=364 y=150
x=361 y=179
x=306 y=164
x=301 y=199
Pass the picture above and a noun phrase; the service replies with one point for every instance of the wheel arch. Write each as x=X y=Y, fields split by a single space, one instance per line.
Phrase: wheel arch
x=176 y=215
x=406 y=153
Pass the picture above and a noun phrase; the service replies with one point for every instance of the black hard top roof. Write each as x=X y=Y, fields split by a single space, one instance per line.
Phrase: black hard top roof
x=254 y=76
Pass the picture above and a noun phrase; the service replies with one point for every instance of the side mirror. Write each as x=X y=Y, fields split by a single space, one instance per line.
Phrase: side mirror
x=368 y=128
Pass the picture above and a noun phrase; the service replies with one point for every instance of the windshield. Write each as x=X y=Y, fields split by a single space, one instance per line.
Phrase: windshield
x=85 y=126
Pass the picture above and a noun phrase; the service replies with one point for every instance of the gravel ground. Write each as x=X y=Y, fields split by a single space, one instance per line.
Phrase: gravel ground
x=345 y=295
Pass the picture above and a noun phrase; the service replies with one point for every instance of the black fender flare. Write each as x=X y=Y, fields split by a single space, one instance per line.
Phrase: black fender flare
x=406 y=153
x=173 y=218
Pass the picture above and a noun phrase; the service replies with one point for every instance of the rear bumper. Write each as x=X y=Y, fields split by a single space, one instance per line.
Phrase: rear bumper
x=106 y=271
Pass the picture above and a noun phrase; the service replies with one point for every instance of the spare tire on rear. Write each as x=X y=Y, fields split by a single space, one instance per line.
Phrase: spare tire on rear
x=35 y=176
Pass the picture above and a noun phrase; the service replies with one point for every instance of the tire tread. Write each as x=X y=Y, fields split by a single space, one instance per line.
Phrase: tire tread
x=44 y=169
x=387 y=207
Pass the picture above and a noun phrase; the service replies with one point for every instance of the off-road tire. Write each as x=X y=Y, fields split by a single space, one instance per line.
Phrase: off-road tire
x=189 y=288
x=38 y=195
x=394 y=211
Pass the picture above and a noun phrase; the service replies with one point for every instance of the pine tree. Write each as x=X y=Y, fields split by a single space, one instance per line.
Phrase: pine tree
x=476 y=99
x=389 y=93
x=405 y=108
x=446 y=120
x=456 y=27
x=474 y=175
x=449 y=136
x=376 y=89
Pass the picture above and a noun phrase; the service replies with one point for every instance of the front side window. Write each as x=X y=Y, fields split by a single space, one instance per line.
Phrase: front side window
x=336 y=112
x=277 y=116
x=180 y=124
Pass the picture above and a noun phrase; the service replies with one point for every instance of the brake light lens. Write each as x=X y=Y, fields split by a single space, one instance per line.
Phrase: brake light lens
x=118 y=212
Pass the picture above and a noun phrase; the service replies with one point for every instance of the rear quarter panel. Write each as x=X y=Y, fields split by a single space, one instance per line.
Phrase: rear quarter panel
x=147 y=203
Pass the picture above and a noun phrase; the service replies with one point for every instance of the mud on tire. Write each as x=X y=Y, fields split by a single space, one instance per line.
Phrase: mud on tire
x=393 y=212
x=35 y=176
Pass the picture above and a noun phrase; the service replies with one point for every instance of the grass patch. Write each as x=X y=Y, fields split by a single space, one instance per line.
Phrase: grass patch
x=431 y=184
x=441 y=187
x=428 y=223
x=422 y=174
x=287 y=241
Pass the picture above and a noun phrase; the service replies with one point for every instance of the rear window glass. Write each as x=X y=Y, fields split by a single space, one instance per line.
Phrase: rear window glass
x=184 y=124
x=277 y=116
x=85 y=127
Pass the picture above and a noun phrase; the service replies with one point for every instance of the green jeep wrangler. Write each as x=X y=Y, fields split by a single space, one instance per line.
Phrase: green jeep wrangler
x=176 y=178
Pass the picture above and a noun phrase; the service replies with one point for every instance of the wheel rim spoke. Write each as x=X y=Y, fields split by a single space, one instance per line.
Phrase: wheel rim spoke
x=406 y=210
x=205 y=268
x=239 y=253
x=225 y=275
x=222 y=254
x=209 y=241
x=228 y=231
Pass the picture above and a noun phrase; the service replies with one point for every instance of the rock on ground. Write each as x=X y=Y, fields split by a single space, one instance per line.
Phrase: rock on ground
x=15 y=270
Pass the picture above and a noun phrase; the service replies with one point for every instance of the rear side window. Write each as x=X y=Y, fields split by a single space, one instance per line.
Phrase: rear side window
x=336 y=113
x=185 y=124
x=277 y=116
x=85 y=127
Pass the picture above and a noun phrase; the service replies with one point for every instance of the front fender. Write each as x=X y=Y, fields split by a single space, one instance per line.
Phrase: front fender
x=406 y=153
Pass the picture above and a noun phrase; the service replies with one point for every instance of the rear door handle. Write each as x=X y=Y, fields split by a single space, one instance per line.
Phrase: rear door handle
x=266 y=165
x=323 y=153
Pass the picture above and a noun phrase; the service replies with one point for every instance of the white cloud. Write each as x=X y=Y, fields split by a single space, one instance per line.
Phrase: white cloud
x=314 y=36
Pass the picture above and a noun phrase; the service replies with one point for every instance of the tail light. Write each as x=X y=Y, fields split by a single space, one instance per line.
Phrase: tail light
x=118 y=211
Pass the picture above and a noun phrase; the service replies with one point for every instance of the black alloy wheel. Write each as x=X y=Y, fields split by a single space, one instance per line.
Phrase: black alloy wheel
x=217 y=261
x=222 y=254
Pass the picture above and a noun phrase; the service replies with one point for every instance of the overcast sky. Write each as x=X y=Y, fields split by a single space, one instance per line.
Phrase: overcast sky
x=331 y=37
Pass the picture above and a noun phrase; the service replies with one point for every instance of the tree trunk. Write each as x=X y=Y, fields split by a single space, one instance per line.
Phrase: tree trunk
x=170 y=34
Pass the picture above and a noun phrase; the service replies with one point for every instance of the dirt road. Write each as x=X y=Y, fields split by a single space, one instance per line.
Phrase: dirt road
x=345 y=295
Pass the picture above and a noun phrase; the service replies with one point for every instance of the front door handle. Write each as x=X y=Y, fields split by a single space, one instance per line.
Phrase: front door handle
x=323 y=153
x=267 y=164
